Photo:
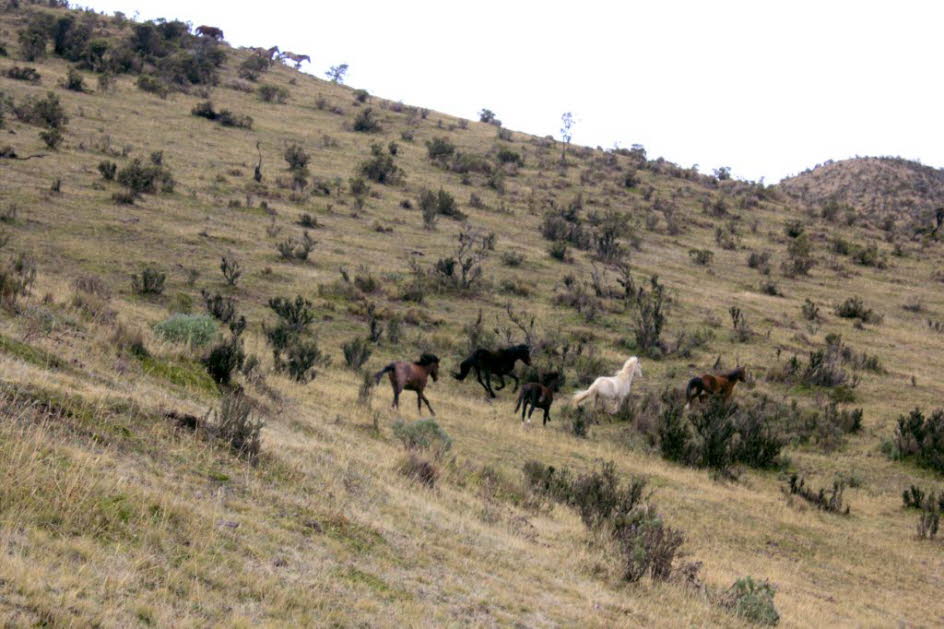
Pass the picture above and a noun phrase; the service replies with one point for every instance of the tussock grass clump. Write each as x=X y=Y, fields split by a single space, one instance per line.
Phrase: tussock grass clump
x=237 y=424
x=752 y=600
x=418 y=469
x=197 y=330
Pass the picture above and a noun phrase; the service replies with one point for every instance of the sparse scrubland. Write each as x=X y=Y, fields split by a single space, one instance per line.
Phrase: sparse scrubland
x=204 y=254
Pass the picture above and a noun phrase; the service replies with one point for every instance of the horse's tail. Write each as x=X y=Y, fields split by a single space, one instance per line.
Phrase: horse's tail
x=520 y=399
x=379 y=374
x=464 y=368
x=580 y=396
x=695 y=387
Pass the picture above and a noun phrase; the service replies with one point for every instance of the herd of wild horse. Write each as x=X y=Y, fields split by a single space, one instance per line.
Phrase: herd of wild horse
x=608 y=391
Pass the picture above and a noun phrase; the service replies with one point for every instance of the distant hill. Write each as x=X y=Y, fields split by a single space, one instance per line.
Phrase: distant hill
x=875 y=186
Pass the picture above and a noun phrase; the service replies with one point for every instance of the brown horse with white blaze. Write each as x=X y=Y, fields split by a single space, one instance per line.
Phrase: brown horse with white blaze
x=411 y=377
x=700 y=387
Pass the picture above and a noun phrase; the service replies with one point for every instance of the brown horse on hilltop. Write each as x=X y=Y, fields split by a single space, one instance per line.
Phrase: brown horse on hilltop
x=705 y=385
x=210 y=31
x=411 y=377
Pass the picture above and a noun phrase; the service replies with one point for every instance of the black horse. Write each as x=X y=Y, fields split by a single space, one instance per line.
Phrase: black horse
x=500 y=364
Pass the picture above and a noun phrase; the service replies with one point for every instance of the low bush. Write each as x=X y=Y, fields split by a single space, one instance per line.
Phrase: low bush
x=18 y=73
x=423 y=434
x=272 y=93
x=149 y=282
x=108 y=169
x=418 y=469
x=141 y=178
x=224 y=360
x=830 y=501
x=854 y=308
x=357 y=351
x=197 y=330
x=366 y=121
x=701 y=257
x=752 y=600
x=921 y=438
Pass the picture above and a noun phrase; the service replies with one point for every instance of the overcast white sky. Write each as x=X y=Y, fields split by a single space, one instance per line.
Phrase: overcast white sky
x=766 y=88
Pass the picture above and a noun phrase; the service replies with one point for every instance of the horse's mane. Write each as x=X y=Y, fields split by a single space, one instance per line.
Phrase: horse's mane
x=737 y=371
x=518 y=348
x=427 y=359
x=632 y=360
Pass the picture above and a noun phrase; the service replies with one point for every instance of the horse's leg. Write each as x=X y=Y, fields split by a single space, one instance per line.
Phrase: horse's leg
x=488 y=383
x=547 y=415
x=501 y=381
x=422 y=398
x=396 y=397
x=484 y=382
x=515 y=378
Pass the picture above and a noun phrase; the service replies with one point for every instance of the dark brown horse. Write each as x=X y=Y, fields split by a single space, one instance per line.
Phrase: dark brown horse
x=700 y=387
x=411 y=377
x=538 y=395
x=210 y=31
x=499 y=364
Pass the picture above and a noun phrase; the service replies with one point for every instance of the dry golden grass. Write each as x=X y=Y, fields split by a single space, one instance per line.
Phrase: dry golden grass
x=111 y=515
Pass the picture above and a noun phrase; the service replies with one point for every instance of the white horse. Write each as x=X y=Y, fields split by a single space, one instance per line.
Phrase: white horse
x=614 y=389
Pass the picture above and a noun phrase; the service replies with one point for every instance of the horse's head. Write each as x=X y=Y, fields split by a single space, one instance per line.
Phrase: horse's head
x=431 y=363
x=631 y=366
x=739 y=375
x=524 y=353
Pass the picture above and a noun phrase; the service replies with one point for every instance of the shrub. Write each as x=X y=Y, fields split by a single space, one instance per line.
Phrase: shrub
x=152 y=85
x=512 y=259
x=381 y=167
x=799 y=256
x=827 y=501
x=230 y=269
x=558 y=250
x=854 y=308
x=930 y=519
x=142 y=178
x=870 y=256
x=74 y=81
x=357 y=351
x=419 y=470
x=52 y=138
x=752 y=600
x=204 y=109
x=224 y=360
x=701 y=257
x=300 y=360
x=272 y=93
x=18 y=73
x=810 y=310
x=149 y=282
x=366 y=121
x=108 y=170
x=237 y=425
x=252 y=66
x=508 y=156
x=440 y=149
x=230 y=119
x=759 y=261
x=219 y=307
x=297 y=249
x=423 y=434
x=45 y=112
x=184 y=328
x=921 y=438
x=794 y=229
x=650 y=316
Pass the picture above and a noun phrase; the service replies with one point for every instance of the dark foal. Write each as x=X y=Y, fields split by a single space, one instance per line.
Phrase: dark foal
x=411 y=377
x=700 y=387
x=499 y=364
x=538 y=395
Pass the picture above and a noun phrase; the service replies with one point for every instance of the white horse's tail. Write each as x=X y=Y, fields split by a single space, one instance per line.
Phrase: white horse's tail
x=580 y=396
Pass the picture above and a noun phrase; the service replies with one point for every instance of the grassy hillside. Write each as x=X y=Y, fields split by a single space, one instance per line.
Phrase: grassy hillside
x=880 y=188
x=120 y=505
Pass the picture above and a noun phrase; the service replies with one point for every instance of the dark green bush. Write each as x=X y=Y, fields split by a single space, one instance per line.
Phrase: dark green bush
x=224 y=360
x=921 y=438
x=381 y=167
x=366 y=121
x=18 y=73
x=140 y=178
x=272 y=93
x=440 y=149
x=854 y=308
x=830 y=501
x=357 y=352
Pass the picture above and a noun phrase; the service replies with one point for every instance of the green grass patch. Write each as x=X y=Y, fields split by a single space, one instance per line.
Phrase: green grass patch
x=31 y=354
x=188 y=374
